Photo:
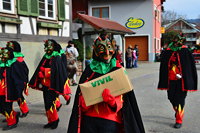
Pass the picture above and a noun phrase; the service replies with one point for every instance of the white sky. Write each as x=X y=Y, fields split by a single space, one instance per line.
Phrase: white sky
x=190 y=8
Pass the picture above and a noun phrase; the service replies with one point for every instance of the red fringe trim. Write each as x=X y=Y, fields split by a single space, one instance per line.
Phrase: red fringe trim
x=189 y=90
x=163 y=88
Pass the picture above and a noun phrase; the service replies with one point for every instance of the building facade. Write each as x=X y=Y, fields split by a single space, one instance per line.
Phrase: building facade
x=31 y=21
x=141 y=16
x=190 y=31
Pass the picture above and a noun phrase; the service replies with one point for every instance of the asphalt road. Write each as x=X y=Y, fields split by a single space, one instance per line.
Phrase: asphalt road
x=157 y=113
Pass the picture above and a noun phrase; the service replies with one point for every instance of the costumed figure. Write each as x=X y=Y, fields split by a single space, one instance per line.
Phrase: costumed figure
x=17 y=54
x=178 y=75
x=13 y=80
x=51 y=78
x=114 y=114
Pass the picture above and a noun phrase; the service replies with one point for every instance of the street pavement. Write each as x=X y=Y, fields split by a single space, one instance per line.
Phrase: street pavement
x=157 y=113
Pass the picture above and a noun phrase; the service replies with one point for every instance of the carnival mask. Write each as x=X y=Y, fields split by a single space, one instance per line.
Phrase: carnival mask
x=48 y=47
x=10 y=45
x=179 y=40
x=4 y=55
x=103 y=49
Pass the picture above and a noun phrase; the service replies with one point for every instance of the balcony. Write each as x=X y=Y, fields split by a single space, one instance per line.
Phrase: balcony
x=189 y=31
x=191 y=39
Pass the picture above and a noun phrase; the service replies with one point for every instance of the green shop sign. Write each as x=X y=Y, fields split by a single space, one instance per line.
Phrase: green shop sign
x=134 y=23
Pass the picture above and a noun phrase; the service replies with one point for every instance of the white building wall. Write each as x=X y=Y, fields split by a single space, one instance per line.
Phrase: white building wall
x=34 y=23
x=66 y=11
x=66 y=29
x=25 y=27
x=121 y=11
x=10 y=28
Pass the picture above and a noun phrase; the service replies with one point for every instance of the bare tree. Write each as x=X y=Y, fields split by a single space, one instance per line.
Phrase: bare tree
x=169 y=16
x=198 y=16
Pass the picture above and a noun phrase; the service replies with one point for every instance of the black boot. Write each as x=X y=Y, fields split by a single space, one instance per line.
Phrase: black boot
x=9 y=127
x=52 y=125
x=67 y=103
x=55 y=124
x=4 y=120
x=14 y=125
x=59 y=107
x=177 y=125
x=47 y=125
x=23 y=115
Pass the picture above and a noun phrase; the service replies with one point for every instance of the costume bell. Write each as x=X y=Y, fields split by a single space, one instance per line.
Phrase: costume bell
x=178 y=75
x=17 y=54
x=114 y=114
x=13 y=78
x=51 y=78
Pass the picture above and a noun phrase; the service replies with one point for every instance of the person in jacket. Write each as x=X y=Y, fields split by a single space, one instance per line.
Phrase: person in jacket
x=178 y=76
x=129 y=57
x=114 y=114
x=73 y=52
x=13 y=78
x=51 y=78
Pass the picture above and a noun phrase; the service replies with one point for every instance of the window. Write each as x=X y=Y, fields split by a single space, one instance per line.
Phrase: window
x=100 y=12
x=7 y=6
x=47 y=9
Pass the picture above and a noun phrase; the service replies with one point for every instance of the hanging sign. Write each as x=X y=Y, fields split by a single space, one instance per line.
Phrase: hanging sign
x=134 y=23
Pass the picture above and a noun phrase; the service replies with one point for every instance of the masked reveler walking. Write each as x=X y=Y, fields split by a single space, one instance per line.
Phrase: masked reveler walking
x=13 y=80
x=114 y=114
x=178 y=75
x=17 y=54
x=51 y=78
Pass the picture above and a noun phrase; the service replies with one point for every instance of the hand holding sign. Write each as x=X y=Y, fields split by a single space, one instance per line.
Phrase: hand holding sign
x=108 y=98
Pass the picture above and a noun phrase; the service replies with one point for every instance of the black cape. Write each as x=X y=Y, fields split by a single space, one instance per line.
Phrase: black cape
x=17 y=78
x=189 y=72
x=131 y=115
x=58 y=74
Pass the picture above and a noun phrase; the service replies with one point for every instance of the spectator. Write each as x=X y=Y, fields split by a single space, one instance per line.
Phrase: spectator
x=134 y=58
x=128 y=56
x=74 y=52
x=119 y=55
x=137 y=55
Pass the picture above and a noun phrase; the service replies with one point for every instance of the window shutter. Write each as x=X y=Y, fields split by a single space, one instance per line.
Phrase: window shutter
x=61 y=9
x=23 y=7
x=34 y=4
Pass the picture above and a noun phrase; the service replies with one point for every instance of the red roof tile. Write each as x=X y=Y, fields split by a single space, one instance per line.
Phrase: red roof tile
x=104 y=24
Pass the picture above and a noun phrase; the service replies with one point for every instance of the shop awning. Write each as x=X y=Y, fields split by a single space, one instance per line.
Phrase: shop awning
x=104 y=25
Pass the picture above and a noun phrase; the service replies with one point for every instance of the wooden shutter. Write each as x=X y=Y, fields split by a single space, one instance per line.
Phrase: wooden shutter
x=23 y=7
x=34 y=6
x=61 y=9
